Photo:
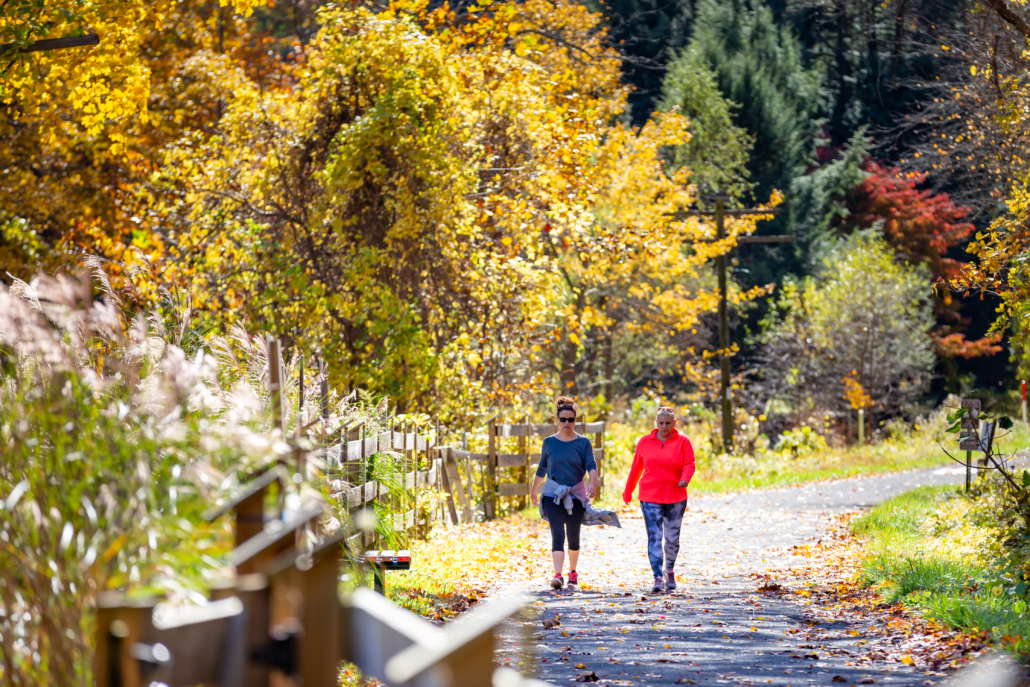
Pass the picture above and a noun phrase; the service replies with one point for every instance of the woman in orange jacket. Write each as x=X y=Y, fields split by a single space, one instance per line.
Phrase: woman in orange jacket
x=663 y=464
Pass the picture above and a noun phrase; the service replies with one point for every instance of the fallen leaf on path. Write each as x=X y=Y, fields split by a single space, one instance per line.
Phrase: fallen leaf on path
x=551 y=623
x=838 y=678
x=587 y=677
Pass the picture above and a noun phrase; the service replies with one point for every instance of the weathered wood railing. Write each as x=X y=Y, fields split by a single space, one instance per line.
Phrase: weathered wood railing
x=421 y=458
x=282 y=622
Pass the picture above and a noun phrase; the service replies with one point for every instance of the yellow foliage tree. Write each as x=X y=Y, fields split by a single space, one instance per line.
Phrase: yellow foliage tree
x=429 y=200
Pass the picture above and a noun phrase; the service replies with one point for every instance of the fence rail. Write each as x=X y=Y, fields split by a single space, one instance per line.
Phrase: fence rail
x=501 y=474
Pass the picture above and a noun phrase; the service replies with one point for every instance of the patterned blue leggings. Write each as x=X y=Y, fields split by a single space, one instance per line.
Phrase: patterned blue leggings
x=659 y=517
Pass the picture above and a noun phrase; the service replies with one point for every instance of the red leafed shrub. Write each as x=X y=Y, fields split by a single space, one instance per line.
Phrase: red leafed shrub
x=921 y=226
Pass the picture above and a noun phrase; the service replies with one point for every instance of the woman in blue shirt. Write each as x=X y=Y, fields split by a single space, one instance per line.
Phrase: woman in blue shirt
x=565 y=458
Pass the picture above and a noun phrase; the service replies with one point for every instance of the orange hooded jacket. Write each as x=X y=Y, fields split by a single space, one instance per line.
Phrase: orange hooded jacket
x=660 y=467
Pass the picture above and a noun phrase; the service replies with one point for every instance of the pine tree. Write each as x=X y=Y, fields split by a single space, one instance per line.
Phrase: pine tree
x=647 y=33
x=759 y=65
x=718 y=152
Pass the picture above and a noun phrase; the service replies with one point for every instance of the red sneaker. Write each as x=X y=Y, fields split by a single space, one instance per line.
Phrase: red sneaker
x=573 y=577
x=557 y=582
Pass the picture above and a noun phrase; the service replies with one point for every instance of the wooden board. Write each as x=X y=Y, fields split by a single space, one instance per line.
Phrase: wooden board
x=514 y=460
x=455 y=488
x=458 y=454
x=521 y=489
x=506 y=431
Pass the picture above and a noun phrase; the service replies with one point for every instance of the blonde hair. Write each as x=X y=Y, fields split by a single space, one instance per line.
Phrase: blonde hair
x=666 y=410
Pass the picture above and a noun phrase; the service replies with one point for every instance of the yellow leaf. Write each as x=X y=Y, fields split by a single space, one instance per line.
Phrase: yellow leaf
x=581 y=665
x=506 y=240
x=573 y=338
x=907 y=660
x=753 y=629
x=513 y=28
x=115 y=547
x=972 y=70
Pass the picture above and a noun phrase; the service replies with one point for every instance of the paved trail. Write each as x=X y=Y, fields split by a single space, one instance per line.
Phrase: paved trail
x=712 y=630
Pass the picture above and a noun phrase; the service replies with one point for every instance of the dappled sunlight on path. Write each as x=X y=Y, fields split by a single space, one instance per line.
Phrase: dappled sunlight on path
x=718 y=628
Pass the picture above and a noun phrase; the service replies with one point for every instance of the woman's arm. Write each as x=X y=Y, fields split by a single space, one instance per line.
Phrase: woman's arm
x=688 y=463
x=635 y=471
x=592 y=484
x=537 y=481
x=541 y=472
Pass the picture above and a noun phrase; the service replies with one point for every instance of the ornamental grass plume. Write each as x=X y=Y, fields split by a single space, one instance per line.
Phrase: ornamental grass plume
x=113 y=442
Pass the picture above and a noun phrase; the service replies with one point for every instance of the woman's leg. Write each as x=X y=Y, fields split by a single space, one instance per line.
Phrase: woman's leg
x=653 y=521
x=556 y=517
x=673 y=523
x=574 y=522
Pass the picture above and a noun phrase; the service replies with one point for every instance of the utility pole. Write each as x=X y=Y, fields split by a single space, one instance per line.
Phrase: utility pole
x=720 y=213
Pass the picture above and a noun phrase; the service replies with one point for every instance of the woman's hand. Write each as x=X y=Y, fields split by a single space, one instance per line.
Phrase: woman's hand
x=591 y=490
x=628 y=498
x=682 y=483
x=533 y=497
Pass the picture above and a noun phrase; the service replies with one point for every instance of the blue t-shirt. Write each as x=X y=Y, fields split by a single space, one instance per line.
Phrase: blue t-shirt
x=566 y=461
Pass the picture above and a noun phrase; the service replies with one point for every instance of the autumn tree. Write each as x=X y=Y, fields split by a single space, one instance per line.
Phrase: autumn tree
x=411 y=208
x=83 y=128
x=866 y=317
x=922 y=226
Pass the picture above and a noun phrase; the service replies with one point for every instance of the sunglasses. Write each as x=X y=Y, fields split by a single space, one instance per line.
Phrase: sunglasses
x=567 y=419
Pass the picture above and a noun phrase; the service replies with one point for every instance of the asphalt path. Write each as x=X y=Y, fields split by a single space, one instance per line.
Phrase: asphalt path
x=714 y=629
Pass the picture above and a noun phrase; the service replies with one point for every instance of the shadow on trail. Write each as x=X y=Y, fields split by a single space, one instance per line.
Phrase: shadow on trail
x=716 y=628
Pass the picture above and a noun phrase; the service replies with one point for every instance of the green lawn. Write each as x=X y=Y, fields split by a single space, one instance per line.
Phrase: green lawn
x=936 y=550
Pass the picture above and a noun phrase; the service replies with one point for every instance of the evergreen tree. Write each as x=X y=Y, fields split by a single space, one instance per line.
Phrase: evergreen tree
x=759 y=65
x=718 y=151
x=647 y=33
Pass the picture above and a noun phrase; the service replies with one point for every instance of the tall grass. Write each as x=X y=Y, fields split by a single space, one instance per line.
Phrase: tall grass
x=114 y=442
x=938 y=551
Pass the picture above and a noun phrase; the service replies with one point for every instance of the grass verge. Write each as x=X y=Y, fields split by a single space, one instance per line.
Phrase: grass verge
x=937 y=551
x=905 y=447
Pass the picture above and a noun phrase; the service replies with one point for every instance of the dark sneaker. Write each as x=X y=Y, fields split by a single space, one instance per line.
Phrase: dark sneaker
x=670 y=581
x=658 y=585
x=557 y=582
x=573 y=577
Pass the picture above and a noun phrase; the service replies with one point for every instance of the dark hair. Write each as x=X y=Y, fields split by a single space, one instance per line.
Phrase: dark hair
x=565 y=403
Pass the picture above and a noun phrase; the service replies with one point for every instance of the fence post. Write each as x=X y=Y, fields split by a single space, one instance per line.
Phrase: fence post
x=275 y=381
x=324 y=372
x=440 y=476
x=490 y=496
x=413 y=459
x=523 y=471
x=366 y=537
x=301 y=419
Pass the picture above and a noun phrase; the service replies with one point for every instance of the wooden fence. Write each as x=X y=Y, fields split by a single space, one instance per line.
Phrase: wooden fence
x=501 y=475
x=504 y=475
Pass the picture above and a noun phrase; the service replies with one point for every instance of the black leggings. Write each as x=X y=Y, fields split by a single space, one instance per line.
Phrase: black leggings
x=561 y=520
